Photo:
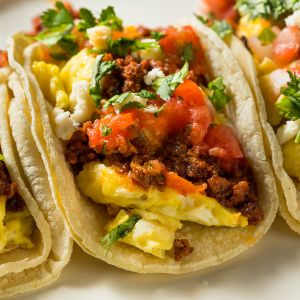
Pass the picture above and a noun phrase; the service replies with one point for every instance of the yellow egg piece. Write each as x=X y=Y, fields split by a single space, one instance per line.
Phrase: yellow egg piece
x=251 y=28
x=103 y=185
x=291 y=162
x=79 y=67
x=48 y=77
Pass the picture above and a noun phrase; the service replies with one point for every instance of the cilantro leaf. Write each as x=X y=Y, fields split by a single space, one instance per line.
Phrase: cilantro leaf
x=105 y=130
x=222 y=28
x=202 y=18
x=164 y=86
x=267 y=9
x=157 y=35
x=289 y=103
x=133 y=104
x=146 y=94
x=101 y=68
x=218 y=96
x=87 y=19
x=188 y=52
x=108 y=17
x=56 y=17
x=267 y=36
x=119 y=232
x=116 y=99
x=138 y=44
x=2 y=157
x=53 y=35
x=121 y=46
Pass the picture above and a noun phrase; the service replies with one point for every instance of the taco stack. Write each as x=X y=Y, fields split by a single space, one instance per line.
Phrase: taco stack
x=150 y=138
x=268 y=52
x=35 y=244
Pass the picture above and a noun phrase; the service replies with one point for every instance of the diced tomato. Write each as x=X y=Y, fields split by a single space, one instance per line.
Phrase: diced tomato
x=3 y=59
x=182 y=185
x=222 y=137
x=173 y=44
x=190 y=92
x=123 y=127
x=286 y=46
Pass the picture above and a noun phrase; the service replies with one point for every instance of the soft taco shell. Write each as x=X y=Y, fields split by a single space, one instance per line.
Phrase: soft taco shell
x=86 y=219
x=289 y=201
x=53 y=246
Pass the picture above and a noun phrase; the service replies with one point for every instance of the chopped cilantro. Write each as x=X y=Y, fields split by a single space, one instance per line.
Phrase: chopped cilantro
x=222 y=28
x=188 y=52
x=289 y=103
x=157 y=35
x=202 y=19
x=108 y=18
x=138 y=45
x=164 y=86
x=267 y=9
x=116 y=99
x=87 y=19
x=55 y=17
x=105 y=130
x=133 y=104
x=218 y=96
x=2 y=157
x=267 y=36
x=104 y=149
x=146 y=94
x=120 y=231
x=101 y=68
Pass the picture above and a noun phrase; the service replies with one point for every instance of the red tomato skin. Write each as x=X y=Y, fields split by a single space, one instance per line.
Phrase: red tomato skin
x=286 y=46
x=222 y=136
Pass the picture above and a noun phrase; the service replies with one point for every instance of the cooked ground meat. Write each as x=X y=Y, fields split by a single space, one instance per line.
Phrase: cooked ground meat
x=15 y=204
x=182 y=248
x=78 y=152
x=149 y=173
x=7 y=187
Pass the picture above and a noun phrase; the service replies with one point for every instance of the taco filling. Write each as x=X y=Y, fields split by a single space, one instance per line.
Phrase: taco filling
x=16 y=223
x=272 y=34
x=143 y=128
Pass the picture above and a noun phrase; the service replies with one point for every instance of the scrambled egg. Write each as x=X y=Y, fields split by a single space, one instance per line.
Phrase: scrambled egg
x=154 y=233
x=79 y=67
x=251 y=28
x=15 y=228
x=103 y=185
x=48 y=77
x=291 y=162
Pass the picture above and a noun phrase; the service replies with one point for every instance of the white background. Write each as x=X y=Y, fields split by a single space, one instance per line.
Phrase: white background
x=271 y=270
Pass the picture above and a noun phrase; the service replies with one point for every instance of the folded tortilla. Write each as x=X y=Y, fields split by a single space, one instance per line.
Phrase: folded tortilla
x=289 y=200
x=23 y=270
x=86 y=220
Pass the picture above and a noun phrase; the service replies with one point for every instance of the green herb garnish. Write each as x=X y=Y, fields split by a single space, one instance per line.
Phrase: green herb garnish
x=218 y=96
x=116 y=99
x=188 y=52
x=119 y=232
x=101 y=68
x=222 y=28
x=108 y=18
x=164 y=86
x=289 y=103
x=267 y=9
x=157 y=35
x=267 y=36
x=202 y=19
x=87 y=19
x=146 y=94
x=105 y=130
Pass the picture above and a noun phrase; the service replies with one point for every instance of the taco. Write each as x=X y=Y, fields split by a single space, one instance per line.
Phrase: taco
x=35 y=244
x=268 y=52
x=150 y=139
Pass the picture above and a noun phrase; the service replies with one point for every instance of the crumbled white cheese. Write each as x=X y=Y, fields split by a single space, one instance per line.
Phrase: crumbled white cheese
x=152 y=75
x=64 y=125
x=81 y=102
x=98 y=36
x=287 y=131
x=294 y=19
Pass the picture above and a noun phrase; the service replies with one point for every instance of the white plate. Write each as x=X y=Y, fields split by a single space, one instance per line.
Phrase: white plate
x=271 y=270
